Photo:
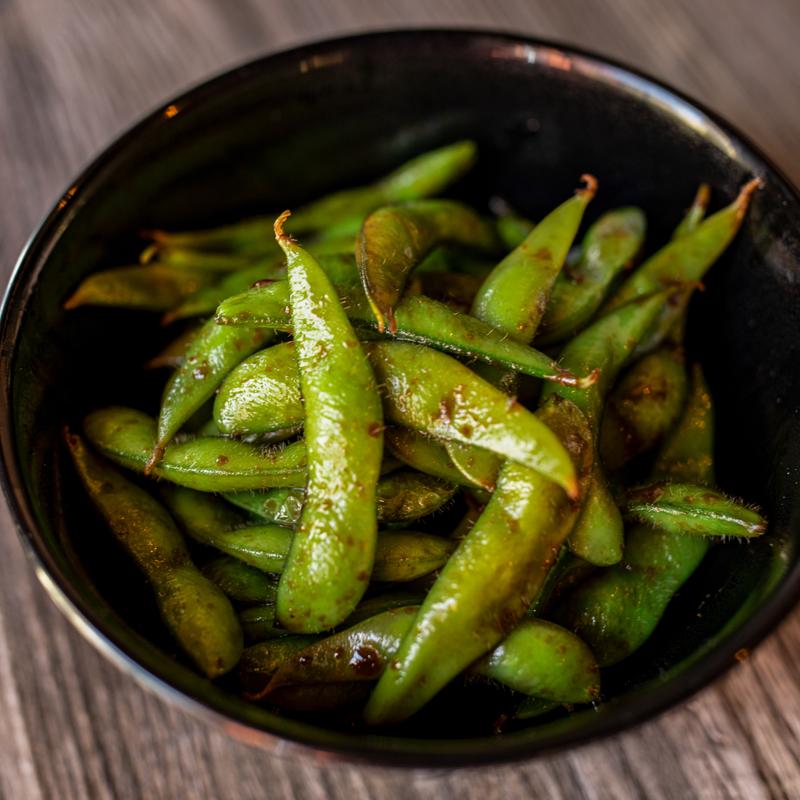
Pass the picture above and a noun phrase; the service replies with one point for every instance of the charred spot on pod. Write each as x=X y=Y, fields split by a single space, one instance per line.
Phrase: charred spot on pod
x=367 y=661
x=363 y=575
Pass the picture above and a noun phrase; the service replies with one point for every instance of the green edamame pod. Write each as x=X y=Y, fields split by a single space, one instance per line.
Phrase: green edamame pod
x=152 y=288
x=213 y=353
x=695 y=213
x=262 y=394
x=401 y=497
x=418 y=319
x=609 y=247
x=544 y=660
x=432 y=393
x=204 y=463
x=684 y=260
x=616 y=610
x=606 y=345
x=240 y=582
x=395 y=239
x=197 y=613
x=643 y=406
x=333 y=550
x=685 y=508
x=406 y=495
x=514 y=297
x=424 y=454
x=422 y=176
x=536 y=657
x=492 y=578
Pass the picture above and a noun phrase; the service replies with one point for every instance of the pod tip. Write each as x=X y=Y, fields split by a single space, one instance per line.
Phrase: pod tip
x=149 y=253
x=745 y=195
x=590 y=186
x=156 y=456
x=702 y=196
x=280 y=235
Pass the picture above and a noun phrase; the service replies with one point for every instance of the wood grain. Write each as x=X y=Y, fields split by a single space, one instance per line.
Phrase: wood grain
x=72 y=76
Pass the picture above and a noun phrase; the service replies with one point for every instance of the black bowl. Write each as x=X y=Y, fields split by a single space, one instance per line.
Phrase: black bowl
x=294 y=125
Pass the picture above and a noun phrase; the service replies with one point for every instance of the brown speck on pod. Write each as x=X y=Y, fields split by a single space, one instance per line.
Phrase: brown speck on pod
x=222 y=460
x=366 y=661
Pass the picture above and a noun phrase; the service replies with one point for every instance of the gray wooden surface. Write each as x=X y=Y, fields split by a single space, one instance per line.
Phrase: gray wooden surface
x=73 y=74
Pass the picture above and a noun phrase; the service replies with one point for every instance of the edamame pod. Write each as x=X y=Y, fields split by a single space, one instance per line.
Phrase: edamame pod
x=395 y=239
x=685 y=508
x=514 y=297
x=403 y=496
x=492 y=578
x=197 y=613
x=434 y=394
x=262 y=394
x=152 y=288
x=643 y=406
x=332 y=552
x=418 y=319
x=609 y=247
x=204 y=463
x=241 y=582
x=684 y=260
x=212 y=354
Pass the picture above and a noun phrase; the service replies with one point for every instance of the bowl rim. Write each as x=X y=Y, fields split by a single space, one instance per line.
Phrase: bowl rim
x=323 y=744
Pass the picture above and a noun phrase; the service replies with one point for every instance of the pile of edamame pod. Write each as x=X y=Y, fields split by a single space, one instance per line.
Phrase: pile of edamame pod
x=405 y=444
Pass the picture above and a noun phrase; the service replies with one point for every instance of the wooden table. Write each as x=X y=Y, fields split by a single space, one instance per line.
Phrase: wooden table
x=72 y=76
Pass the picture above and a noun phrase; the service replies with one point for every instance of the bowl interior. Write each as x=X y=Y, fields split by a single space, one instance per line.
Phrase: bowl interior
x=293 y=126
